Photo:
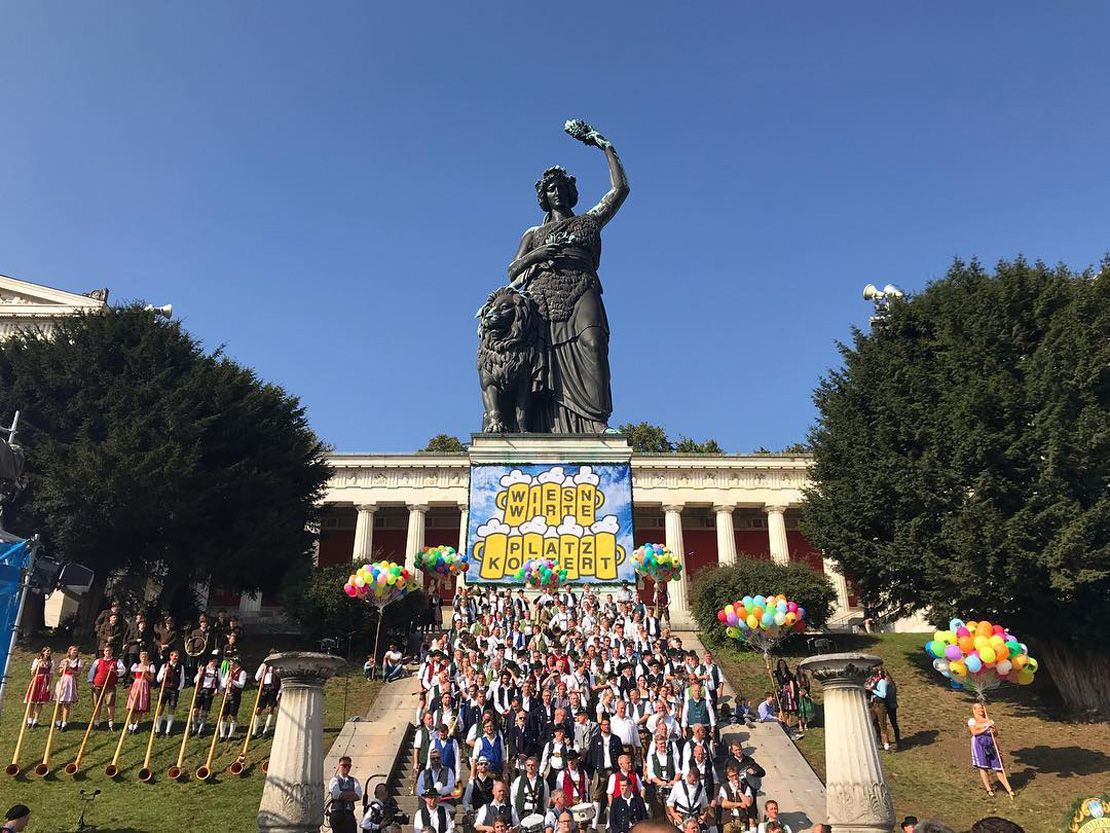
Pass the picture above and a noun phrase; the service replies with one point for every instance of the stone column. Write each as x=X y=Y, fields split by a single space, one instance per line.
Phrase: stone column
x=364 y=534
x=776 y=531
x=680 y=608
x=464 y=520
x=839 y=583
x=249 y=607
x=856 y=795
x=726 y=536
x=414 y=539
x=293 y=797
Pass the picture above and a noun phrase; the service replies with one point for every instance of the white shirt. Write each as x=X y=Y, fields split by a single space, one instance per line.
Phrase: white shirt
x=433 y=820
x=487 y=814
x=625 y=729
x=335 y=789
x=686 y=797
x=785 y=827
x=443 y=781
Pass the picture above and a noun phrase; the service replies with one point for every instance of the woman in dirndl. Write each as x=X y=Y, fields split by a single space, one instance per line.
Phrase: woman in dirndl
x=984 y=753
x=138 y=698
x=65 y=690
x=42 y=675
x=806 y=708
x=788 y=691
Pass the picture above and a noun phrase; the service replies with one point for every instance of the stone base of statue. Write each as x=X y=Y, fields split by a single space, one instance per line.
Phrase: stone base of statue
x=510 y=449
x=293 y=797
x=857 y=798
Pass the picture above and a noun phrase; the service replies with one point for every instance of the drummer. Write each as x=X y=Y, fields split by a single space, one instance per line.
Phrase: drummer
x=558 y=807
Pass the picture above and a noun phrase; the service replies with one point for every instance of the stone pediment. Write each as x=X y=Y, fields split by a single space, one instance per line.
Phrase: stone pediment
x=24 y=299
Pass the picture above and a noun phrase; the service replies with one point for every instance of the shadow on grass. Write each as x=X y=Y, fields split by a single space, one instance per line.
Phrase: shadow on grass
x=922 y=738
x=1022 y=778
x=1063 y=760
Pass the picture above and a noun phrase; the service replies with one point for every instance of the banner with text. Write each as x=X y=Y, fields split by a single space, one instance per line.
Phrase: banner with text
x=578 y=516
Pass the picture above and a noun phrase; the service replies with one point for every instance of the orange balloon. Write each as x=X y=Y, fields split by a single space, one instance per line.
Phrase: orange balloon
x=1001 y=652
x=1018 y=661
x=985 y=630
x=967 y=644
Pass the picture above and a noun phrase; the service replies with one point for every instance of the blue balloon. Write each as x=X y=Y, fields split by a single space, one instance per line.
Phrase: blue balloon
x=768 y=619
x=974 y=664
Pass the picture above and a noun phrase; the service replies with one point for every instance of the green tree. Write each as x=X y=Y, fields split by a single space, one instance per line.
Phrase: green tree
x=962 y=456
x=443 y=444
x=150 y=459
x=685 y=445
x=719 y=586
x=315 y=601
x=647 y=438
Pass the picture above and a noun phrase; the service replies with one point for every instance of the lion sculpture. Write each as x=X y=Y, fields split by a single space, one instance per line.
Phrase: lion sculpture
x=508 y=361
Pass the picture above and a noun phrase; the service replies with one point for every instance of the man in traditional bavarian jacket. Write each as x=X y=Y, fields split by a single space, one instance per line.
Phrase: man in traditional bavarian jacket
x=479 y=791
x=433 y=816
x=663 y=771
x=697 y=709
x=422 y=742
x=345 y=791
x=529 y=793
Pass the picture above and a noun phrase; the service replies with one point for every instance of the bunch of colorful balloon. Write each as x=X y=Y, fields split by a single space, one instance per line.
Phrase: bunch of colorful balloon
x=442 y=561
x=980 y=656
x=656 y=562
x=541 y=572
x=380 y=583
x=762 y=621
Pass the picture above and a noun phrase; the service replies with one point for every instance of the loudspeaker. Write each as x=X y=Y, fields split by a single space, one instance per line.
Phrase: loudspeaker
x=76 y=578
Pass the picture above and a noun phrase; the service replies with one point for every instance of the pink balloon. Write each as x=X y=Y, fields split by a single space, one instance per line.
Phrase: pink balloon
x=791 y=607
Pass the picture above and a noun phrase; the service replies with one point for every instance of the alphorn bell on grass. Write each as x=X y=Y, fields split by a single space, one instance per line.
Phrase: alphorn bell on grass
x=174 y=772
x=43 y=769
x=239 y=765
x=13 y=767
x=205 y=772
x=72 y=768
x=145 y=774
x=112 y=770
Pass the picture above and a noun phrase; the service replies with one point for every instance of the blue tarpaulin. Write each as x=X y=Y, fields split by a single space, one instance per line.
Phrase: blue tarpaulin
x=14 y=556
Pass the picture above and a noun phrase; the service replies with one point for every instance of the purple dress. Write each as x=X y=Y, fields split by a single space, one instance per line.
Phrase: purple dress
x=984 y=754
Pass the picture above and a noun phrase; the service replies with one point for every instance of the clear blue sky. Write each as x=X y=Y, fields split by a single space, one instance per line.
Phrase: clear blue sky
x=331 y=189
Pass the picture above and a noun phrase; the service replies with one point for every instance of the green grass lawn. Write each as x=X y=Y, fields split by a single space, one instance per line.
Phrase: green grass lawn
x=225 y=803
x=1051 y=760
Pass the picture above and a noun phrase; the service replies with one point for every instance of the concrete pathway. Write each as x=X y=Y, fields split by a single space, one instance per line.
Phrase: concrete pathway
x=790 y=779
x=373 y=741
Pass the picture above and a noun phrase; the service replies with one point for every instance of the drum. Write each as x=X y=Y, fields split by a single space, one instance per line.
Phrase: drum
x=532 y=823
x=582 y=813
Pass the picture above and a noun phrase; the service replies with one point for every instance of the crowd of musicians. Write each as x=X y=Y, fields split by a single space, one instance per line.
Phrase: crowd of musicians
x=572 y=705
x=146 y=660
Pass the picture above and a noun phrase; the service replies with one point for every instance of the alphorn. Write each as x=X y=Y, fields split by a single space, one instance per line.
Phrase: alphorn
x=145 y=774
x=72 y=768
x=174 y=772
x=113 y=768
x=238 y=766
x=205 y=772
x=13 y=767
x=43 y=769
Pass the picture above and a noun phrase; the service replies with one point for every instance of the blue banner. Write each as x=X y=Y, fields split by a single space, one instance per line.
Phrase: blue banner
x=14 y=556
x=578 y=516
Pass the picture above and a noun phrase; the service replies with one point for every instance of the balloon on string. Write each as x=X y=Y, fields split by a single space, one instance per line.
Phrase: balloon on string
x=380 y=583
x=541 y=572
x=442 y=561
x=657 y=562
x=980 y=656
x=762 y=621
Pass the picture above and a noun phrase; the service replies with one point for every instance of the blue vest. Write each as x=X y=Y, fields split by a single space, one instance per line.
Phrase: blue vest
x=492 y=750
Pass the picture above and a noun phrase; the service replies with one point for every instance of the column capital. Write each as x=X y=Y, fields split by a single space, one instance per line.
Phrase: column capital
x=366 y=507
x=674 y=507
x=730 y=508
x=774 y=508
x=418 y=507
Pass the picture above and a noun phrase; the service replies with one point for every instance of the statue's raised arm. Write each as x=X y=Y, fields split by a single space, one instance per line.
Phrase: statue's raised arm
x=618 y=191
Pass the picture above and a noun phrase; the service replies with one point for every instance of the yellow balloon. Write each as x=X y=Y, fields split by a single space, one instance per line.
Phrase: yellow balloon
x=753 y=623
x=958 y=667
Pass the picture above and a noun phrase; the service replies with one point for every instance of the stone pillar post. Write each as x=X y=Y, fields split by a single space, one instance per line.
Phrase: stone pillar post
x=364 y=534
x=414 y=539
x=680 y=608
x=249 y=606
x=464 y=521
x=839 y=583
x=293 y=797
x=726 y=536
x=776 y=531
x=856 y=795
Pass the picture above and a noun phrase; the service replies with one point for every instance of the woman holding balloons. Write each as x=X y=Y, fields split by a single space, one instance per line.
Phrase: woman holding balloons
x=984 y=752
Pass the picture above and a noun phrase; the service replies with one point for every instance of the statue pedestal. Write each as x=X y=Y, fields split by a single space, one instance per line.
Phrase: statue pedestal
x=293 y=798
x=510 y=449
x=857 y=798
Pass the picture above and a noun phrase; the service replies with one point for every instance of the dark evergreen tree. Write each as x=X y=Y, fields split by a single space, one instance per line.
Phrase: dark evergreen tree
x=150 y=459
x=962 y=462
x=443 y=444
